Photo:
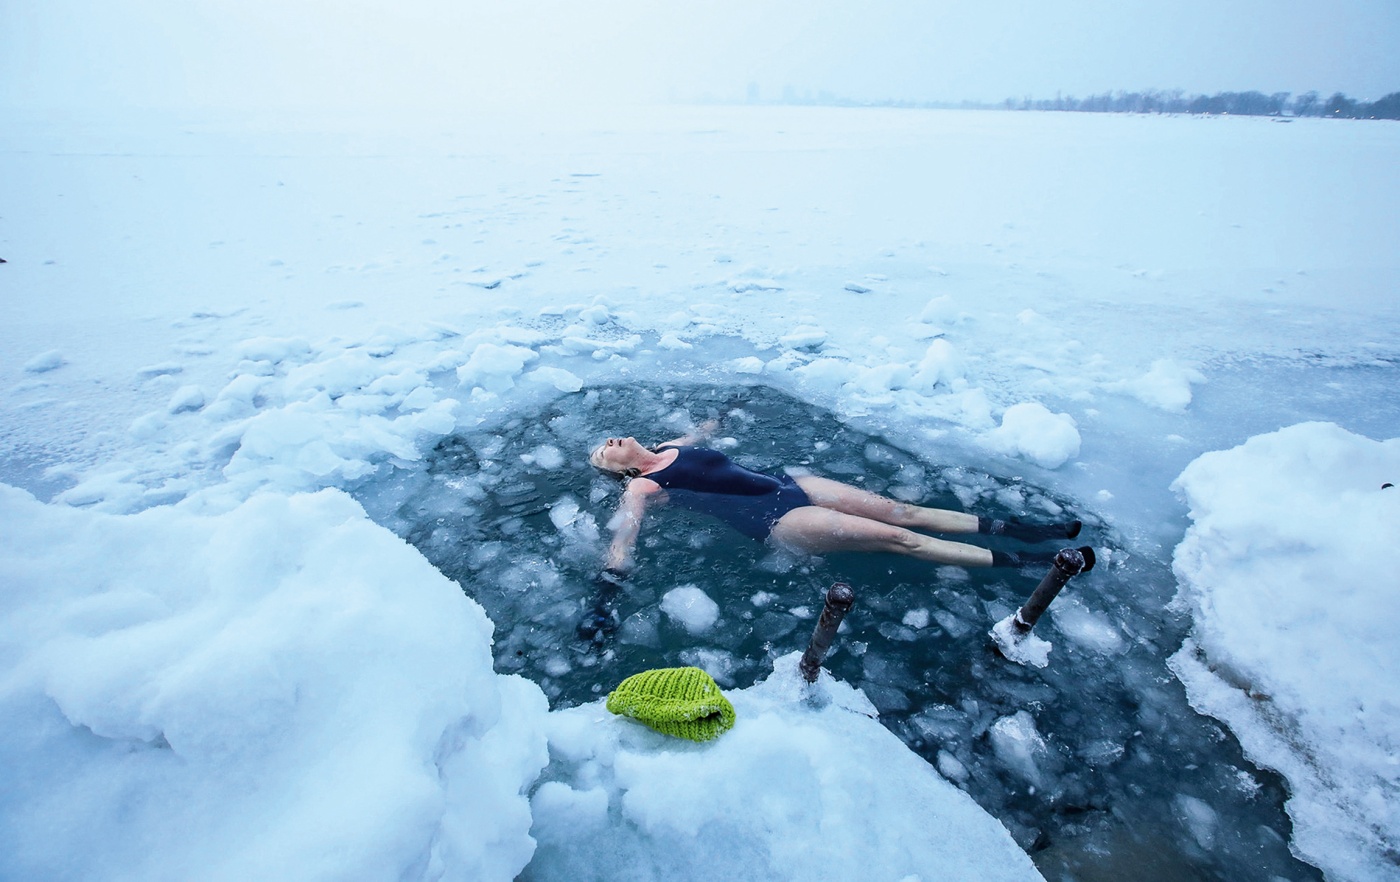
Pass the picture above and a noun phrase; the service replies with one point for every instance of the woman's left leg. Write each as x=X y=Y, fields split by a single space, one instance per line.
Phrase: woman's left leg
x=844 y=498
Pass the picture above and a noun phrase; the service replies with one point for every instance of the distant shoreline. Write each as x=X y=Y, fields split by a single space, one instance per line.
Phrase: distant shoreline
x=1175 y=102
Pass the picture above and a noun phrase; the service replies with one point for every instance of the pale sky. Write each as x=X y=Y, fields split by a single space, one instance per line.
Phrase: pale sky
x=434 y=53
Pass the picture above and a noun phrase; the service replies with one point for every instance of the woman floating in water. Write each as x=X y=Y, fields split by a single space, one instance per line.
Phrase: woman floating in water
x=807 y=513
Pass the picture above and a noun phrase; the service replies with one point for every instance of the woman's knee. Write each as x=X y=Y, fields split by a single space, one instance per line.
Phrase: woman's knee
x=904 y=541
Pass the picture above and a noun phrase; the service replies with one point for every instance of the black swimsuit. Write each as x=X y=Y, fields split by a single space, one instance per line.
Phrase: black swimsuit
x=707 y=481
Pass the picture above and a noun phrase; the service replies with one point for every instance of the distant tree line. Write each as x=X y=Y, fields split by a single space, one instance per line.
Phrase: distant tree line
x=1235 y=103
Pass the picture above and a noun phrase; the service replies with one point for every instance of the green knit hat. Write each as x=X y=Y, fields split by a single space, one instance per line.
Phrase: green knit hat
x=684 y=702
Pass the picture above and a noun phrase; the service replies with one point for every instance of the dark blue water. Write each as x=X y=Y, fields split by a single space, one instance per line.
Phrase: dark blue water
x=1096 y=764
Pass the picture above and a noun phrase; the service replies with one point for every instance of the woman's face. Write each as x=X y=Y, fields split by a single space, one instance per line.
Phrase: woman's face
x=616 y=454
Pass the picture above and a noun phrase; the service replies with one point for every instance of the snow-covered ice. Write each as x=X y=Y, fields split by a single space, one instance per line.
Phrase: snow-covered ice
x=803 y=787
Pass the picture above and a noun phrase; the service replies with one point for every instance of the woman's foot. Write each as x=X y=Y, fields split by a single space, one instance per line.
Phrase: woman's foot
x=1013 y=528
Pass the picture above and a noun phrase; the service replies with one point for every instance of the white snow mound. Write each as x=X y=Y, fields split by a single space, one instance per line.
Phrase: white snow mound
x=1288 y=569
x=283 y=691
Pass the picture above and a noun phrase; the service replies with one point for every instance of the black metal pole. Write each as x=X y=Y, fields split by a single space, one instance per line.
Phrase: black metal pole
x=1069 y=562
x=839 y=598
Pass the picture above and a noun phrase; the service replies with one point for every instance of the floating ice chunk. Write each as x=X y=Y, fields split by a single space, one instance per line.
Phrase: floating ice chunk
x=748 y=365
x=493 y=367
x=917 y=618
x=1024 y=649
x=564 y=381
x=1086 y=628
x=955 y=626
x=1199 y=818
x=1166 y=386
x=691 y=608
x=804 y=337
x=951 y=768
x=671 y=341
x=641 y=629
x=941 y=723
x=577 y=526
x=1019 y=746
x=1031 y=431
x=1102 y=752
x=45 y=361
x=547 y=456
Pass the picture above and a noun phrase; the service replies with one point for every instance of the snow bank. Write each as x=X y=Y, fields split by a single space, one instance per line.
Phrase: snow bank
x=285 y=691
x=1289 y=572
x=799 y=789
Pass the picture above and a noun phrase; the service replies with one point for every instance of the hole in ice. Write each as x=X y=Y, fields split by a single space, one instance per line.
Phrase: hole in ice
x=1093 y=763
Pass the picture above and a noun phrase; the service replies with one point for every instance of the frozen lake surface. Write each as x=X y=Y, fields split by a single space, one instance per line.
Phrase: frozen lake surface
x=214 y=329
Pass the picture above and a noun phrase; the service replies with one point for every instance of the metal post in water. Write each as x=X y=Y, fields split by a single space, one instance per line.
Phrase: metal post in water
x=1069 y=562
x=839 y=598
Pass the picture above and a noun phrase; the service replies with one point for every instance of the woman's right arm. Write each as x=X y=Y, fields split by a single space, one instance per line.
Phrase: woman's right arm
x=703 y=432
x=627 y=523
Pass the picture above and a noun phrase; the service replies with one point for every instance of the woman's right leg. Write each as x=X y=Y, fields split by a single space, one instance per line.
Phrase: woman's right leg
x=817 y=530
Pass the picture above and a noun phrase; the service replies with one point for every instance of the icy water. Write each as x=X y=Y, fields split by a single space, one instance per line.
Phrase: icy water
x=1096 y=764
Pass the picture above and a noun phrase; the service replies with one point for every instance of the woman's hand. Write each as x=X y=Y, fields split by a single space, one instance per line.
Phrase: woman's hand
x=703 y=432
